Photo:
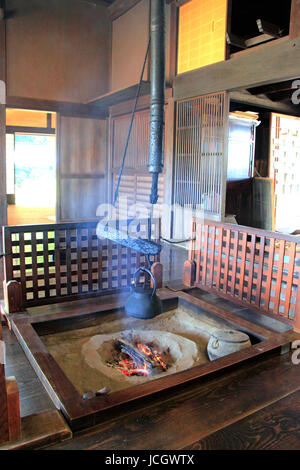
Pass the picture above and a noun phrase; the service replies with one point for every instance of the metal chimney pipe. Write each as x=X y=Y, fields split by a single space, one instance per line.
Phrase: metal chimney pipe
x=157 y=101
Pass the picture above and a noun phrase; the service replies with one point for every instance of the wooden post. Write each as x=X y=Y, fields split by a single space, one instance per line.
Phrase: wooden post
x=13 y=408
x=189 y=273
x=12 y=296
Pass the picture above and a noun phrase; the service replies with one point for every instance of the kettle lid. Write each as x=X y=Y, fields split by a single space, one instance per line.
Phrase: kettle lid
x=230 y=336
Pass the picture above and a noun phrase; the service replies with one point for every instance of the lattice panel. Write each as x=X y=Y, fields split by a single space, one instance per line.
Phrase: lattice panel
x=199 y=152
x=138 y=148
x=134 y=196
x=253 y=266
x=68 y=260
x=284 y=169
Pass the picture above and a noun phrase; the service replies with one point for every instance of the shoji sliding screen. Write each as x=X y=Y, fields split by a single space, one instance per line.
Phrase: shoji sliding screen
x=200 y=163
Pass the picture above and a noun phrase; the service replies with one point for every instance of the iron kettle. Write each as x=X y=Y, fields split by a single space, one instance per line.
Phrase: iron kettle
x=143 y=301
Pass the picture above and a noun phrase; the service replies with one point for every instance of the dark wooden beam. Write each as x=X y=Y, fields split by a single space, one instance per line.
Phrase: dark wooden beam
x=277 y=60
x=265 y=103
x=119 y=96
x=284 y=95
x=272 y=88
x=63 y=107
x=29 y=130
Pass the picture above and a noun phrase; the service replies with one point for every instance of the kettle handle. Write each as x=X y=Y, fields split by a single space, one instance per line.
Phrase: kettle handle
x=141 y=268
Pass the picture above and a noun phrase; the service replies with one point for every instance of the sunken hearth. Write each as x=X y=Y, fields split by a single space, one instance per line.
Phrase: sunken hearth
x=125 y=351
x=135 y=356
x=93 y=362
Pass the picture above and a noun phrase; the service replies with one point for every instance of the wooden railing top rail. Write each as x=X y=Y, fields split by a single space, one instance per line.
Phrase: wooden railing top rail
x=250 y=230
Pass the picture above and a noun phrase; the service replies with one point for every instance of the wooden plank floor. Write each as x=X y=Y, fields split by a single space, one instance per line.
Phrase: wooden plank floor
x=254 y=405
x=275 y=427
x=33 y=396
x=182 y=418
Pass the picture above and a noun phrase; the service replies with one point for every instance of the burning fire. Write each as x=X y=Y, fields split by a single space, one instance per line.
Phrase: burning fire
x=130 y=366
x=153 y=354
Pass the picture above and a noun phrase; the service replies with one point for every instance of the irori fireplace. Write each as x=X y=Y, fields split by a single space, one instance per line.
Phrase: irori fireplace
x=95 y=361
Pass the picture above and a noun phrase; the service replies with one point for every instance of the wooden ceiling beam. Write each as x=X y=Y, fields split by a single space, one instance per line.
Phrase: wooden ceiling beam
x=273 y=88
x=63 y=107
x=284 y=95
x=119 y=96
x=265 y=103
x=246 y=69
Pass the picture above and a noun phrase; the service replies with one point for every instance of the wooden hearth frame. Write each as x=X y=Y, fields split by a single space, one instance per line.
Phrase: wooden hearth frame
x=85 y=413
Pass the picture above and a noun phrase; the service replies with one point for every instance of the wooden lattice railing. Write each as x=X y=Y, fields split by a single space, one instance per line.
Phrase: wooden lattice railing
x=256 y=268
x=67 y=261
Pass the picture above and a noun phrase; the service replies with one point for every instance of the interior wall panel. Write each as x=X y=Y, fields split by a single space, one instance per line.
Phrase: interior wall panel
x=57 y=50
x=130 y=34
x=81 y=169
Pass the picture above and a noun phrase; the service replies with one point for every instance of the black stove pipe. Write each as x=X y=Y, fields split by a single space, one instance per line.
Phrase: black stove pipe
x=157 y=101
x=157 y=111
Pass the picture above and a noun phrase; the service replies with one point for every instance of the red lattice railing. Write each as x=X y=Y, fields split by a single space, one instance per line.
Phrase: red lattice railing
x=253 y=267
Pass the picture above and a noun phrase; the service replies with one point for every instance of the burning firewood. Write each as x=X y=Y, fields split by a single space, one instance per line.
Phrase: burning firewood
x=137 y=356
x=137 y=359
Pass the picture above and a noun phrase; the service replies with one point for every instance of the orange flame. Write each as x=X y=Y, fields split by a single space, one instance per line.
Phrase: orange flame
x=153 y=354
x=128 y=367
